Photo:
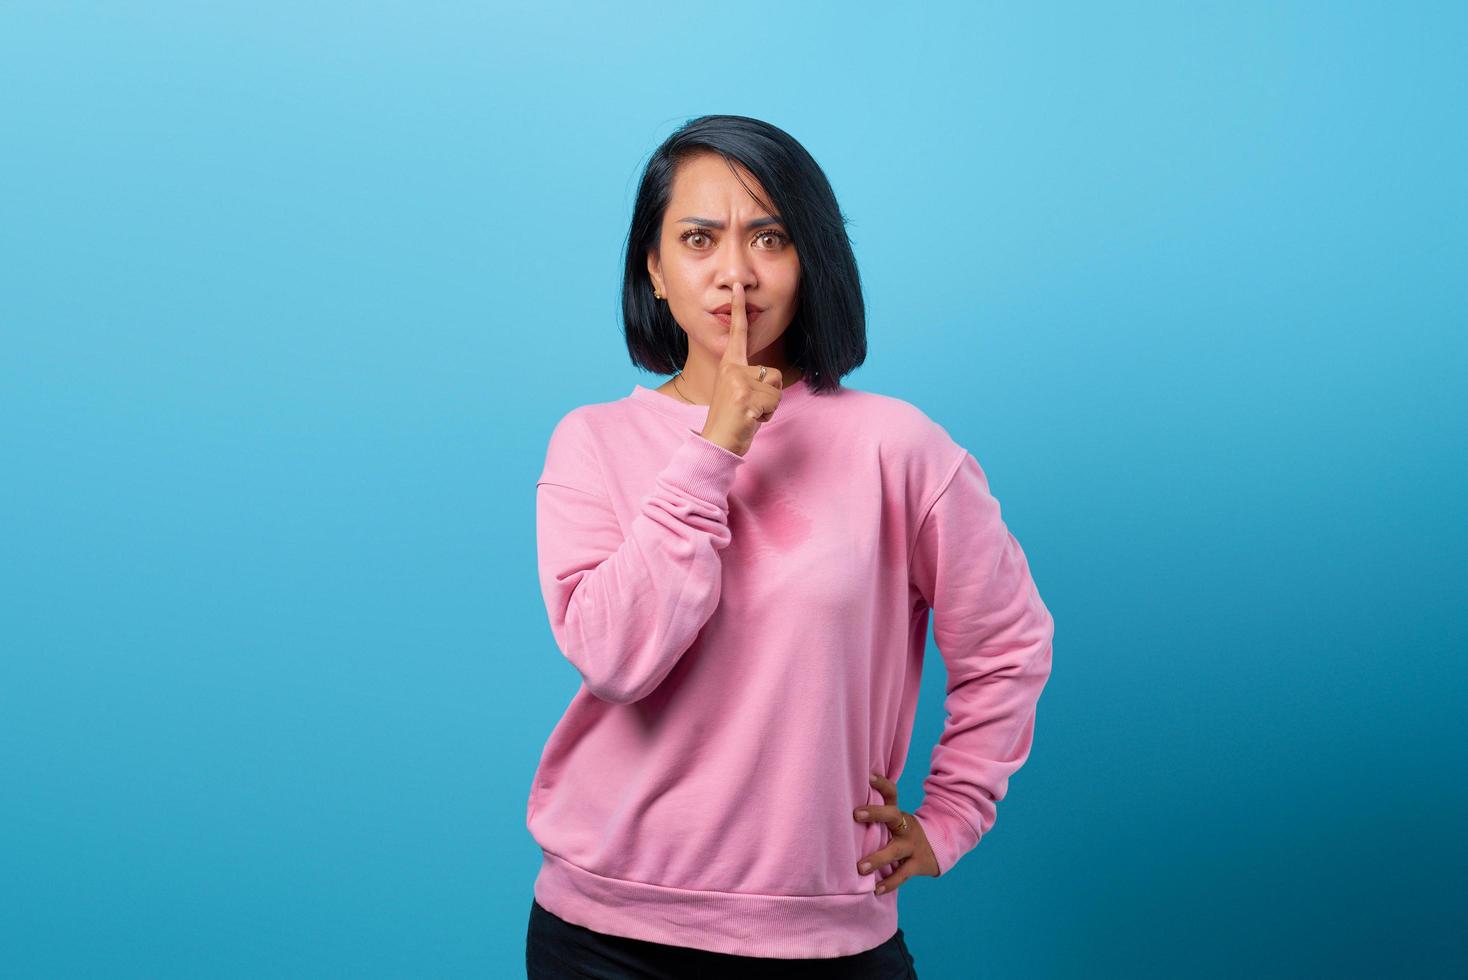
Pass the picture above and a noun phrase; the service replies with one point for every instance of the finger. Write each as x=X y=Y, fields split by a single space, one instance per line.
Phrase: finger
x=774 y=382
x=736 y=350
x=764 y=395
x=898 y=850
x=886 y=787
x=889 y=815
x=893 y=880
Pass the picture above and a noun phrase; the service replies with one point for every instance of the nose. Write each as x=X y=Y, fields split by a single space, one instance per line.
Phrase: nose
x=734 y=266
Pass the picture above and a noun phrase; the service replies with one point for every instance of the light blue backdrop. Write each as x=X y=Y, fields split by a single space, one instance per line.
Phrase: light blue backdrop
x=292 y=294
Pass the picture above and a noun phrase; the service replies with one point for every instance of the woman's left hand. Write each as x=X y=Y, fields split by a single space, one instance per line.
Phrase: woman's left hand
x=910 y=842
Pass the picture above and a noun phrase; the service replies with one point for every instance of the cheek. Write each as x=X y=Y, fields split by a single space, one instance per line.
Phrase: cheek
x=786 y=280
x=688 y=282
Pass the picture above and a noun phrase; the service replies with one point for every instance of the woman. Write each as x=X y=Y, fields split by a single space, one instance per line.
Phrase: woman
x=740 y=563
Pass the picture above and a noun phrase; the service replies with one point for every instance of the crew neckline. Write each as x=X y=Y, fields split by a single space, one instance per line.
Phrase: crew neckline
x=794 y=397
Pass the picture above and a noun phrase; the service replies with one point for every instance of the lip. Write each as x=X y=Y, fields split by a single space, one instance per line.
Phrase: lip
x=726 y=319
x=748 y=308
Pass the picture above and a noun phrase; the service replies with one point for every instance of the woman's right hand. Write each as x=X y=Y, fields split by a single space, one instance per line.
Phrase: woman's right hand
x=741 y=403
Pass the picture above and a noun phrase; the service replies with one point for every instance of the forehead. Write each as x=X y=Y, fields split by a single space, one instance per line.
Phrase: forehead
x=707 y=182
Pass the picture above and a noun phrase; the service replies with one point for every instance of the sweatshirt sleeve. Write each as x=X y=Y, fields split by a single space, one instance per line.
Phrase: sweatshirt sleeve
x=623 y=609
x=994 y=634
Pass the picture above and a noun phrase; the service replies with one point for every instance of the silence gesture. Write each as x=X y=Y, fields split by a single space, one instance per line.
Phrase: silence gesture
x=741 y=401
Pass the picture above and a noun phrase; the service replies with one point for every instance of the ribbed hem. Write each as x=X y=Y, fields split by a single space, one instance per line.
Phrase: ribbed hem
x=789 y=926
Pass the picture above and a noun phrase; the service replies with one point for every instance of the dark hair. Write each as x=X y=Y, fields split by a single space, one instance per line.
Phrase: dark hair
x=826 y=338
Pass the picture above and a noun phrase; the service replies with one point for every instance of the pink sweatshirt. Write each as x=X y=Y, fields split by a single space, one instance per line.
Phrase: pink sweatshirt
x=750 y=635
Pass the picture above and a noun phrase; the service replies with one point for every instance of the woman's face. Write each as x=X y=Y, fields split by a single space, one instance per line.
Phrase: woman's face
x=714 y=234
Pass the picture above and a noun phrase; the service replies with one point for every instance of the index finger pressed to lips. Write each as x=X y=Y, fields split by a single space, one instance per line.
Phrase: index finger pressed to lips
x=737 y=350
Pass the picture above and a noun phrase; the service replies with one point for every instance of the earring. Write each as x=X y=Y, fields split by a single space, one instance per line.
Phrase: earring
x=657 y=294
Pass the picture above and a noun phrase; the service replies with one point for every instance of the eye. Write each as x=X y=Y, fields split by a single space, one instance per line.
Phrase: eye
x=780 y=237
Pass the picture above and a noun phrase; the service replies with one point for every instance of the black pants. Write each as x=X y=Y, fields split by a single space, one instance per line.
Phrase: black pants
x=556 y=950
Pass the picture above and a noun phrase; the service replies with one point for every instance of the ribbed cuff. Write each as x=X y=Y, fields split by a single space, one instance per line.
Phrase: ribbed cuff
x=948 y=833
x=702 y=468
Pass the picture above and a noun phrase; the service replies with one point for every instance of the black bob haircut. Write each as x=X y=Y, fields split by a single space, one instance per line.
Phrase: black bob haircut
x=826 y=338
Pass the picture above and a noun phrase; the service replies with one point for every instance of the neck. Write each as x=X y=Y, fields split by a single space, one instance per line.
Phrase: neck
x=695 y=383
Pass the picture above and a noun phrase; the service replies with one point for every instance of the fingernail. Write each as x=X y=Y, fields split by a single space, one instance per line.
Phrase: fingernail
x=876 y=775
x=866 y=866
x=861 y=814
x=881 y=889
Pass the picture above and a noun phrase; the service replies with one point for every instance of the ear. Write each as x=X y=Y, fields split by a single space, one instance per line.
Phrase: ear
x=655 y=271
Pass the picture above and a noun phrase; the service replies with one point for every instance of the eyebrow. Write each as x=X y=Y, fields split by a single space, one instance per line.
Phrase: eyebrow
x=710 y=222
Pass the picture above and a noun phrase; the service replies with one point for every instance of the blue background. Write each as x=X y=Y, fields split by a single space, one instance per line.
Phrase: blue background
x=292 y=294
